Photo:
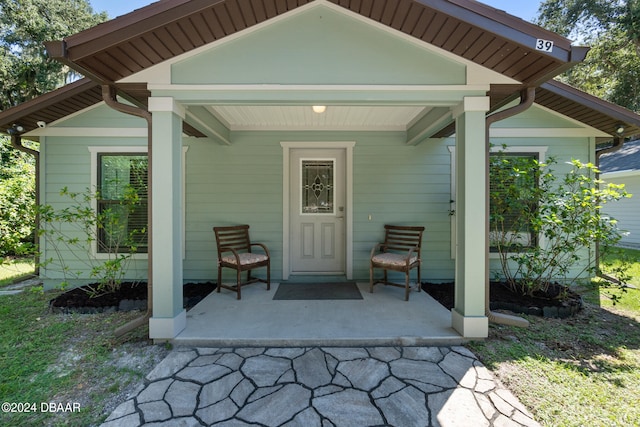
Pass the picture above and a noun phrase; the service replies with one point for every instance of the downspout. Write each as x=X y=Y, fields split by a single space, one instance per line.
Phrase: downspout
x=109 y=97
x=618 y=142
x=16 y=142
x=526 y=100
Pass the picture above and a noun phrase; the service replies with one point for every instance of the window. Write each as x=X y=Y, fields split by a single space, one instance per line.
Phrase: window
x=122 y=202
x=513 y=179
x=519 y=234
x=317 y=186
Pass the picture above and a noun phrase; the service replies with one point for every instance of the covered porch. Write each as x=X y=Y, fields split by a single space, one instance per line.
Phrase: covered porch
x=381 y=318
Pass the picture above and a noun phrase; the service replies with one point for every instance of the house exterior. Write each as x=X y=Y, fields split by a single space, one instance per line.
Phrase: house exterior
x=218 y=96
x=623 y=167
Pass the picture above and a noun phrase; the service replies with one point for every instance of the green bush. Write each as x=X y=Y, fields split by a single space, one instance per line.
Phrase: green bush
x=17 y=211
x=541 y=230
x=75 y=229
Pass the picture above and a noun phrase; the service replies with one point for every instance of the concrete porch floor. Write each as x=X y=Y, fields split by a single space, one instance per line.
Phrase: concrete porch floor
x=381 y=318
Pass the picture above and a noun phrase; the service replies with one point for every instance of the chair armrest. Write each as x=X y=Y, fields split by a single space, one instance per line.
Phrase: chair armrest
x=376 y=248
x=264 y=248
x=411 y=250
x=225 y=249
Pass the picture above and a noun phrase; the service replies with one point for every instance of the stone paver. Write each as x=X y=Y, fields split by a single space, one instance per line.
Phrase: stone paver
x=321 y=386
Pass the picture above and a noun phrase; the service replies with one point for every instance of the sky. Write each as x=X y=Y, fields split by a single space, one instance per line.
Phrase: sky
x=525 y=9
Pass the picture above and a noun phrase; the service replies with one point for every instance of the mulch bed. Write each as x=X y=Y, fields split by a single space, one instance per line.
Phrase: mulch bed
x=502 y=298
x=131 y=296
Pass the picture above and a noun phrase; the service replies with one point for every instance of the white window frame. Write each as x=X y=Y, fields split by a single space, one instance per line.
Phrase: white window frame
x=94 y=151
x=540 y=150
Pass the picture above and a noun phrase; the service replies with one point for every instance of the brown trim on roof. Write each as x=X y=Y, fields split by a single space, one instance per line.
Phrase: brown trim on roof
x=52 y=105
x=588 y=109
x=70 y=99
x=168 y=28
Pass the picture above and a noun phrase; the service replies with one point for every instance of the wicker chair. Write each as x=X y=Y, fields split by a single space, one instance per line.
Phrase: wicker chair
x=400 y=251
x=234 y=252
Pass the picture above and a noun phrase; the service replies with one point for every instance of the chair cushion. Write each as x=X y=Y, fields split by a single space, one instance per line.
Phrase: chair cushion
x=389 y=258
x=246 y=258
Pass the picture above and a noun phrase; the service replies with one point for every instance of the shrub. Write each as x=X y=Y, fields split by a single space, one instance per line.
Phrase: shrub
x=75 y=230
x=17 y=212
x=541 y=230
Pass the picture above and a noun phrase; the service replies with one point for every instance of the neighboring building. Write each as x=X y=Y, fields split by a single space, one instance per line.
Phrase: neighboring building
x=229 y=88
x=623 y=167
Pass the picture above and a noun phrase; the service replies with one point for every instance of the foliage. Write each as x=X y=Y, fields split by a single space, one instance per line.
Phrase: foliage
x=551 y=225
x=17 y=201
x=25 y=70
x=612 y=68
x=558 y=368
x=47 y=357
x=73 y=233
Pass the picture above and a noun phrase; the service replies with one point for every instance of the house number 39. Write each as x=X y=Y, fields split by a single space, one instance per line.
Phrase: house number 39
x=544 y=45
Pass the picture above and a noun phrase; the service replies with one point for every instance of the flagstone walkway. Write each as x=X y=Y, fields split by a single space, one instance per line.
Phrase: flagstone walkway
x=321 y=386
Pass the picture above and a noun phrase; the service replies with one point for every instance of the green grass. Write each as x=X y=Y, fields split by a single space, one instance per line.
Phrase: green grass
x=62 y=358
x=583 y=371
x=13 y=269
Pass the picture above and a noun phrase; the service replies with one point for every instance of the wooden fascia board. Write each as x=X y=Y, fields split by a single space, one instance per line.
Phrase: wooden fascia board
x=589 y=101
x=15 y=114
x=131 y=25
x=503 y=25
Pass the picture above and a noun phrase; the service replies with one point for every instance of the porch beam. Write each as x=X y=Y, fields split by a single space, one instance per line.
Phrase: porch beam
x=202 y=119
x=428 y=125
x=169 y=316
x=469 y=314
x=435 y=95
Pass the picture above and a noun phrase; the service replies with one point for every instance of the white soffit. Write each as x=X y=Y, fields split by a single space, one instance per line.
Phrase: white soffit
x=357 y=118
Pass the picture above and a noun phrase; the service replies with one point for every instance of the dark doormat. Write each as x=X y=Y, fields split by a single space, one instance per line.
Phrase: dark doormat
x=317 y=291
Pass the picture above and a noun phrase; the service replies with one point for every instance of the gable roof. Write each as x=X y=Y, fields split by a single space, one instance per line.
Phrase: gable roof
x=625 y=159
x=472 y=30
x=479 y=33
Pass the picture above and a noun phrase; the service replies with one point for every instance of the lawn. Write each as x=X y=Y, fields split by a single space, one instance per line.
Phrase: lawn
x=66 y=359
x=583 y=371
x=13 y=269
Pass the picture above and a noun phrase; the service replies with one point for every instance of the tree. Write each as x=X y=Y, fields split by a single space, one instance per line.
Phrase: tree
x=612 y=27
x=26 y=72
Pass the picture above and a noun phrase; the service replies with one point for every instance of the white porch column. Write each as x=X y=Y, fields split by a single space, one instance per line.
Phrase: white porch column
x=169 y=317
x=468 y=315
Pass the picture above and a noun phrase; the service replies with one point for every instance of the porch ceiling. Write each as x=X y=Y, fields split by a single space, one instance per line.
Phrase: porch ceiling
x=339 y=117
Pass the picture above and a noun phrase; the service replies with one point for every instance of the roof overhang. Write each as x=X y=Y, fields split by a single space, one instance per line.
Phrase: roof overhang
x=163 y=30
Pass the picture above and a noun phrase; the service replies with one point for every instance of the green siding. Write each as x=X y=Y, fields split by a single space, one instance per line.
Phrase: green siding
x=66 y=163
x=537 y=117
x=328 y=48
x=242 y=183
x=103 y=117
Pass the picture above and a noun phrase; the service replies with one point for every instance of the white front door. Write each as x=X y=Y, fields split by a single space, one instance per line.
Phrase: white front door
x=317 y=211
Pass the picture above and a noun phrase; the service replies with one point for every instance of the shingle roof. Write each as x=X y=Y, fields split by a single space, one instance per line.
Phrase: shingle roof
x=625 y=159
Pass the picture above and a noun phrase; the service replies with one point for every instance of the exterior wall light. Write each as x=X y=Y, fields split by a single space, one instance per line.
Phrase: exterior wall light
x=319 y=108
x=15 y=130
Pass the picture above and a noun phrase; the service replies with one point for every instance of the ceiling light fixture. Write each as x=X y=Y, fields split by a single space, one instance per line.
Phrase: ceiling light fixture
x=620 y=130
x=319 y=108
